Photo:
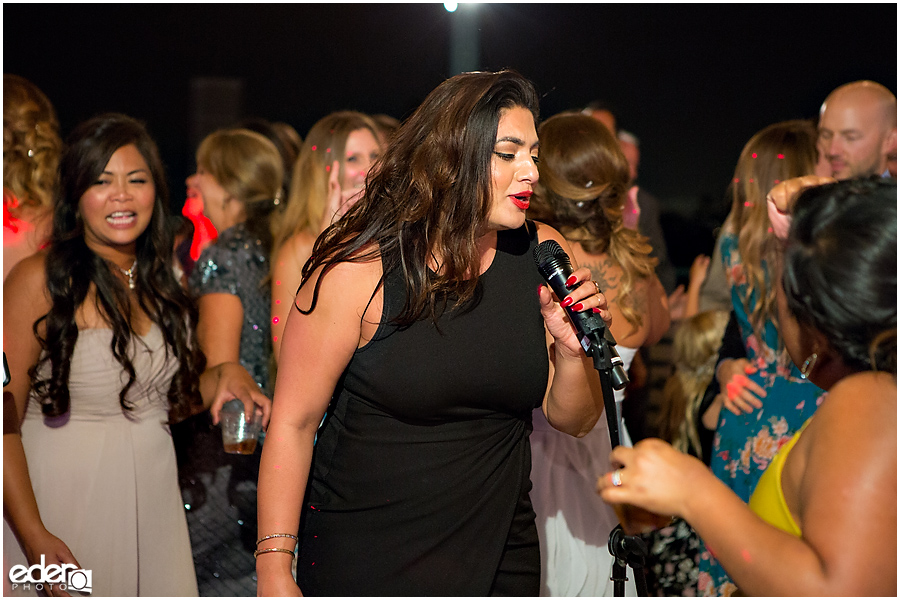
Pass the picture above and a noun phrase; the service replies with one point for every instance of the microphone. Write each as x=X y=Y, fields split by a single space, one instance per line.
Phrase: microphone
x=554 y=265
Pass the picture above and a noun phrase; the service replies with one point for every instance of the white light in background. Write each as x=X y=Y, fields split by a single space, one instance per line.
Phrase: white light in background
x=451 y=6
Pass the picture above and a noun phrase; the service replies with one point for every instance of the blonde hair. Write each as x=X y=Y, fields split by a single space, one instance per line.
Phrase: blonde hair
x=695 y=348
x=31 y=144
x=249 y=167
x=584 y=181
x=777 y=153
x=308 y=196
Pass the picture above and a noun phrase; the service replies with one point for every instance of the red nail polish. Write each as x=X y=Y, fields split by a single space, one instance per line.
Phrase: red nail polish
x=578 y=307
x=567 y=301
x=539 y=289
x=571 y=281
x=595 y=309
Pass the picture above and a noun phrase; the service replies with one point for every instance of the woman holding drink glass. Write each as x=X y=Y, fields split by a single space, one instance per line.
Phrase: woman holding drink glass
x=98 y=333
x=239 y=175
x=239 y=178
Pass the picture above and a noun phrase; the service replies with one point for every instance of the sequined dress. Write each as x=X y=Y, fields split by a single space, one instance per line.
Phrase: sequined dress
x=237 y=265
x=220 y=488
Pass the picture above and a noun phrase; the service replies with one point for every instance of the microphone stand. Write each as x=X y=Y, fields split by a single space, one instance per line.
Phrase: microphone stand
x=627 y=550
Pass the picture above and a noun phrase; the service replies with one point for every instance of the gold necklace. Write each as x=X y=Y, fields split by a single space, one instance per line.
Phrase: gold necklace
x=129 y=273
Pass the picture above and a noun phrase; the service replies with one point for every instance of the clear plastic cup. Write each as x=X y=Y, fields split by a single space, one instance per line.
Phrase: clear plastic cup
x=239 y=436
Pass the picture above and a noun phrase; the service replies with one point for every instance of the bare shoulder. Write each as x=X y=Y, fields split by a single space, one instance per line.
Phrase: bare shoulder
x=349 y=282
x=25 y=300
x=846 y=499
x=297 y=248
x=27 y=281
x=301 y=240
x=858 y=414
x=545 y=232
x=869 y=389
x=870 y=396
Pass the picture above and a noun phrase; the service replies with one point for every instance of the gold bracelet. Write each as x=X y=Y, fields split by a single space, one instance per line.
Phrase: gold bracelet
x=276 y=535
x=267 y=550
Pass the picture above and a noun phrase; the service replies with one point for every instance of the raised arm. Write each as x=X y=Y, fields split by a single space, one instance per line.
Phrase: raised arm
x=574 y=400
x=316 y=349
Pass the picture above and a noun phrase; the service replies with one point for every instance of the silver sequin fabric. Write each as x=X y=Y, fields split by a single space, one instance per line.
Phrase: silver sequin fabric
x=236 y=264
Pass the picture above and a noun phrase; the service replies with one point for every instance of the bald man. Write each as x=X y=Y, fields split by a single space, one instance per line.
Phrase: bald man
x=858 y=129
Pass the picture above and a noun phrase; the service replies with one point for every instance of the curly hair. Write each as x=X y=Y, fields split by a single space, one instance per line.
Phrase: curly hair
x=776 y=153
x=430 y=194
x=584 y=181
x=73 y=269
x=840 y=269
x=249 y=167
x=31 y=144
x=308 y=195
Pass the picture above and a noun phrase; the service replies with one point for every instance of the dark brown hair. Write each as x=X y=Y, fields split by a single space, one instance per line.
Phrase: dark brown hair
x=72 y=268
x=430 y=194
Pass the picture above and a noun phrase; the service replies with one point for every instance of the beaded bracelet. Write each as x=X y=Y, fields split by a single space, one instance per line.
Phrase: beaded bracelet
x=267 y=550
x=276 y=535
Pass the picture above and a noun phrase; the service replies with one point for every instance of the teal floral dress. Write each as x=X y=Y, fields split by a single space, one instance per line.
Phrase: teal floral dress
x=744 y=445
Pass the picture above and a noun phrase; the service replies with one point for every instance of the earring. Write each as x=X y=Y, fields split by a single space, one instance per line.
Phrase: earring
x=808 y=365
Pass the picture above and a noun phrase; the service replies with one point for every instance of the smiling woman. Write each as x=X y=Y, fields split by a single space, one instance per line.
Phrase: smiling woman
x=97 y=331
x=328 y=178
x=117 y=208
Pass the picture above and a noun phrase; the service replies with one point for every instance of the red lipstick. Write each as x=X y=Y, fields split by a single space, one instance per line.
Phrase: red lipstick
x=521 y=199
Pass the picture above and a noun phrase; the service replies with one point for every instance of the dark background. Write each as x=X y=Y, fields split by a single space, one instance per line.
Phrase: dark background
x=692 y=81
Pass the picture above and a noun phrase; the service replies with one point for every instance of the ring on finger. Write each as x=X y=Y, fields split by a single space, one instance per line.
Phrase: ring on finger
x=596 y=285
x=617 y=477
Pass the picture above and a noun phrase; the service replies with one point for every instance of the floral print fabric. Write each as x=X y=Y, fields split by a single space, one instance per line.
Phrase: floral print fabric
x=745 y=444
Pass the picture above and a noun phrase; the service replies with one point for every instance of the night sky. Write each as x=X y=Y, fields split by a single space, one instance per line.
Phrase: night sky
x=692 y=81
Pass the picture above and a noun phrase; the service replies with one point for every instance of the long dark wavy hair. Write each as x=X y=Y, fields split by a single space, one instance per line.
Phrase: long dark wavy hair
x=430 y=194
x=840 y=269
x=72 y=270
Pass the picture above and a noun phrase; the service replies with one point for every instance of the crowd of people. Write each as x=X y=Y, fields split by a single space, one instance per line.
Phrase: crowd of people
x=436 y=420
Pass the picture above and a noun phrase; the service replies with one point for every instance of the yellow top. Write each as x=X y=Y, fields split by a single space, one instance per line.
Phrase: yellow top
x=767 y=500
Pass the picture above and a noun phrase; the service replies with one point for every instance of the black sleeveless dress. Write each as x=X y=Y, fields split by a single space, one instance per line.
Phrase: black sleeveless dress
x=421 y=473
